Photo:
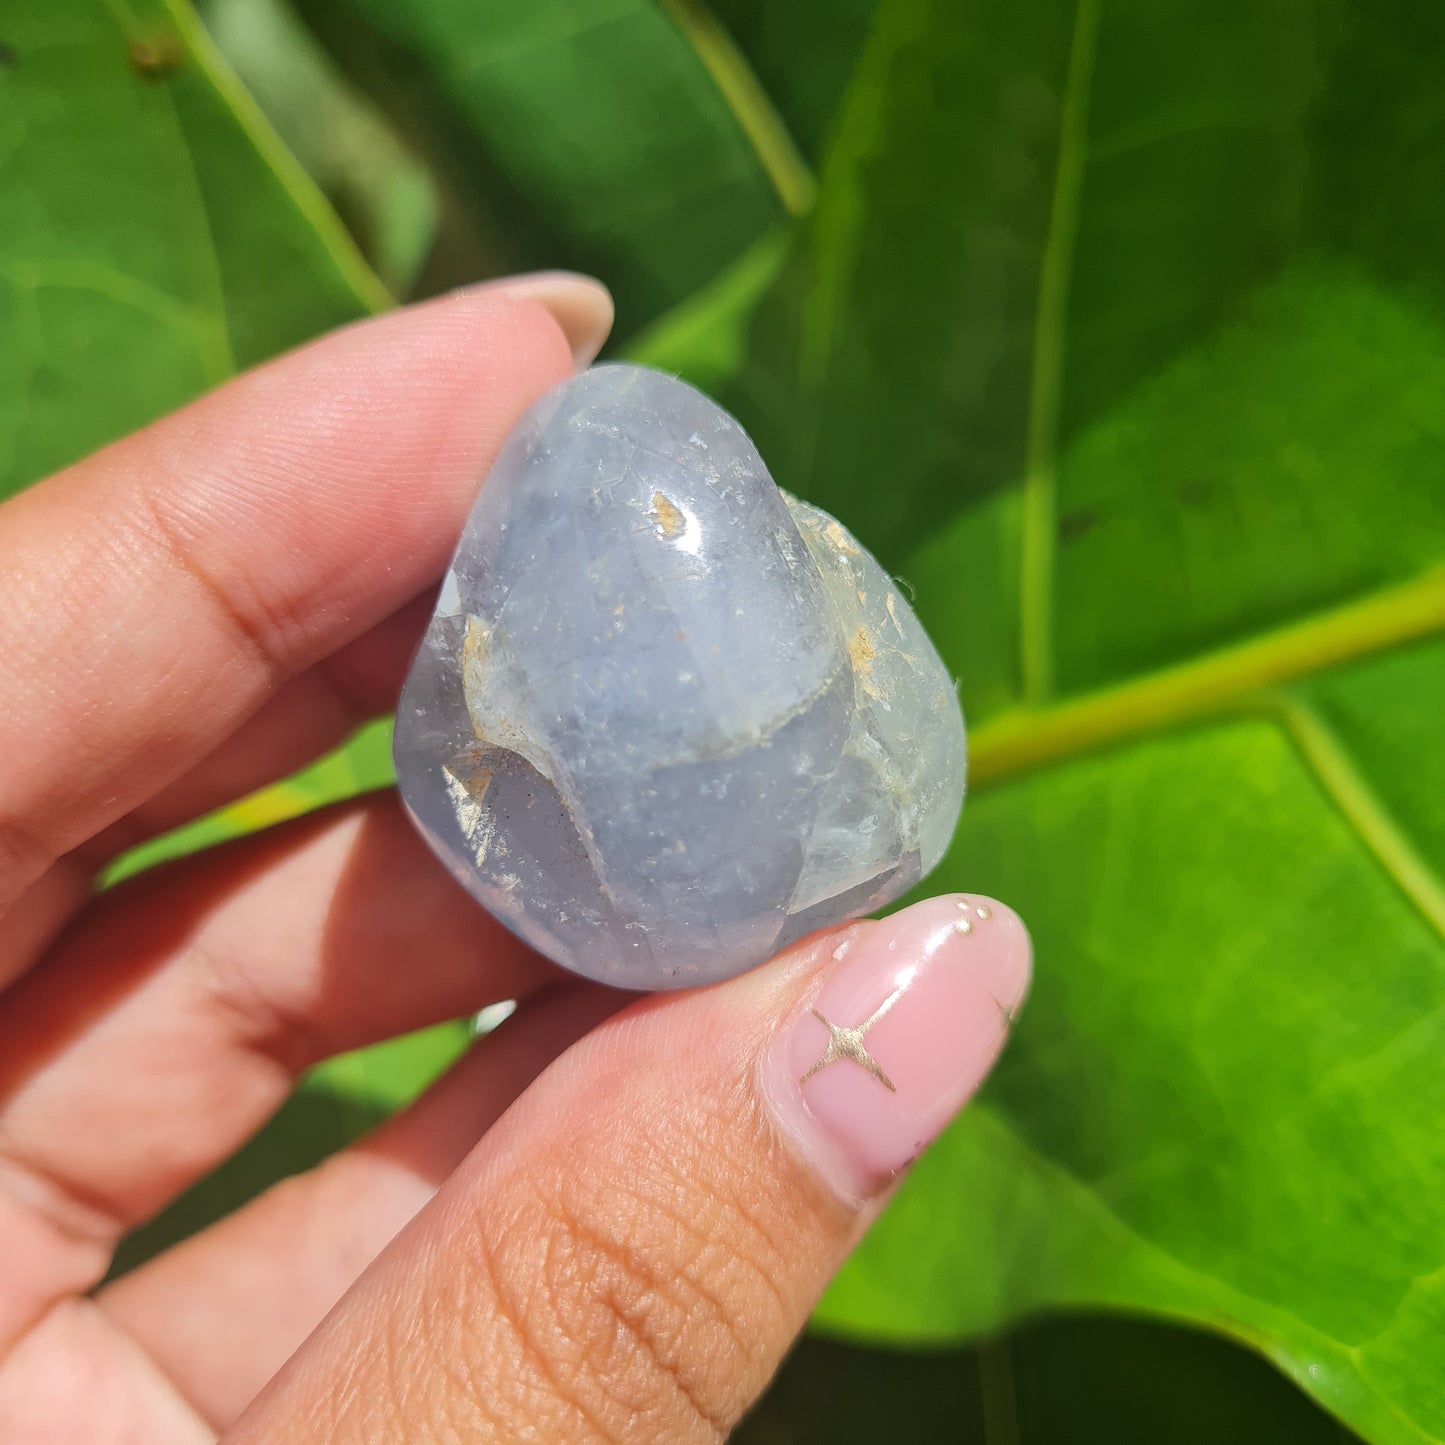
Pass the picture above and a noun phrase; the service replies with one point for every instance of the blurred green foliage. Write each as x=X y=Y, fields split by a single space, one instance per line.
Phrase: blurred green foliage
x=1117 y=328
x=1066 y=1382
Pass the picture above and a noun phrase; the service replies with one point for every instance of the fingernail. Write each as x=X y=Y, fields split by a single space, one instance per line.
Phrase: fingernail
x=906 y=1021
x=580 y=305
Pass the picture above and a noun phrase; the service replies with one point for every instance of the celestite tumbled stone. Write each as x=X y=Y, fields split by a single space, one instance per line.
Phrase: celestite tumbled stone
x=667 y=719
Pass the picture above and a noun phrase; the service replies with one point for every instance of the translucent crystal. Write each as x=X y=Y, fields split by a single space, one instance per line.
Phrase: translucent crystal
x=667 y=719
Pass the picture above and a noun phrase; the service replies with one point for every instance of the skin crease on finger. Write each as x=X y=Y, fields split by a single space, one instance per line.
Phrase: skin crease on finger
x=308 y=715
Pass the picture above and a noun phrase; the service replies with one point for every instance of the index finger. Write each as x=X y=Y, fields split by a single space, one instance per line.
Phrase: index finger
x=155 y=595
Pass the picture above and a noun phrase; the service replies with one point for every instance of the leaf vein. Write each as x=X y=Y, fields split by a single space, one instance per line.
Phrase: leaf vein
x=1046 y=376
x=1363 y=809
x=297 y=186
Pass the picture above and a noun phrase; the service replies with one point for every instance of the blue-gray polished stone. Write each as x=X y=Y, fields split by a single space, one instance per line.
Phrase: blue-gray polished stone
x=667 y=719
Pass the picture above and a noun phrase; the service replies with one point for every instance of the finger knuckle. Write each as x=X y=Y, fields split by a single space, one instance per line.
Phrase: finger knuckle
x=24 y=855
x=166 y=532
x=650 y=1302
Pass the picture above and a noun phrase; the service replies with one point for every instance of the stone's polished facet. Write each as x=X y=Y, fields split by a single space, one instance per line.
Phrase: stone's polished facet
x=666 y=719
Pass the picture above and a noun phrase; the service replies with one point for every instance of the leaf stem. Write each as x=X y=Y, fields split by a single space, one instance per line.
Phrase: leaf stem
x=1026 y=739
x=750 y=104
x=999 y=1396
x=297 y=185
x=1036 y=600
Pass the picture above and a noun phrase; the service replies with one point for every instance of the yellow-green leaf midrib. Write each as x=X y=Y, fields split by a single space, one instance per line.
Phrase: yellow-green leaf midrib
x=1025 y=739
x=1036 y=576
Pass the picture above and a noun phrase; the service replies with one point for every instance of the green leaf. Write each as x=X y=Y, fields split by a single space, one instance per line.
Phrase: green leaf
x=624 y=137
x=154 y=235
x=707 y=337
x=348 y=147
x=1121 y=335
x=1074 y=1381
x=1050 y=159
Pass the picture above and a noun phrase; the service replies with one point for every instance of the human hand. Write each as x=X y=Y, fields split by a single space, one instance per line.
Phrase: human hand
x=609 y=1221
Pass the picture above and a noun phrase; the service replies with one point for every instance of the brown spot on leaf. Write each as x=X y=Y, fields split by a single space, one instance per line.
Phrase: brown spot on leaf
x=1073 y=525
x=9 y=56
x=155 y=57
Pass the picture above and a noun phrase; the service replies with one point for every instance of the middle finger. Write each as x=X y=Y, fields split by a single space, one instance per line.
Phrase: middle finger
x=158 y=1038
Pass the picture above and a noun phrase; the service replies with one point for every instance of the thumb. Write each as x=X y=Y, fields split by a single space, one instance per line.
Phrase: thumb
x=630 y=1251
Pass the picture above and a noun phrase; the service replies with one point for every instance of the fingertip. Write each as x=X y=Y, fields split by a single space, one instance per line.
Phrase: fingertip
x=905 y=1019
x=580 y=305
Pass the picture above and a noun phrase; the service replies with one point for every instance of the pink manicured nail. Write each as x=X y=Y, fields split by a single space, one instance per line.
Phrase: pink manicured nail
x=907 y=1022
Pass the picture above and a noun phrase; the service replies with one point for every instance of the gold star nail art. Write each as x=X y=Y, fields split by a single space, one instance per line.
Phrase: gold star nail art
x=847 y=1043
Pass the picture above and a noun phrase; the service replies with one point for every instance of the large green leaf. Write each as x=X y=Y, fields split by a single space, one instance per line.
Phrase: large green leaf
x=999 y=169
x=154 y=236
x=625 y=137
x=1121 y=336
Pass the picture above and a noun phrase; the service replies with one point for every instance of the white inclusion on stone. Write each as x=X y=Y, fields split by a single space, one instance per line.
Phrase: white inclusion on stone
x=449 y=603
x=478 y=825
